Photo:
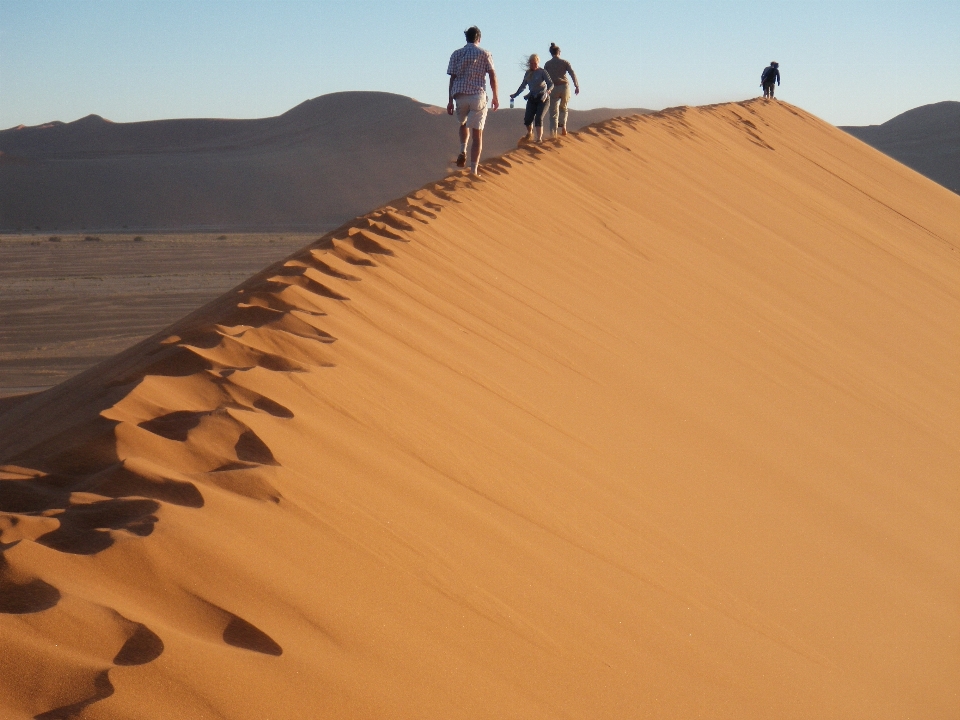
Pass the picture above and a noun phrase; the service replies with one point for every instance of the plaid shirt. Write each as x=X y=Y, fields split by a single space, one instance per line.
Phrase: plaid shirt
x=469 y=66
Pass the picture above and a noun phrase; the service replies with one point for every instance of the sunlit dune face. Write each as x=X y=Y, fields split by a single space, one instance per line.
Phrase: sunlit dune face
x=658 y=419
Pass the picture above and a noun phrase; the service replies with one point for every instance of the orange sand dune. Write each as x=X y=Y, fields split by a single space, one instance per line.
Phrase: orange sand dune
x=657 y=422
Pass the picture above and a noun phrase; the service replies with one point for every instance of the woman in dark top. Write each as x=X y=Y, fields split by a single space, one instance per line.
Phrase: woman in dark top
x=538 y=82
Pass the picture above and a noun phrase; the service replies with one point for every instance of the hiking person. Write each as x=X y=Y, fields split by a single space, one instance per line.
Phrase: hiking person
x=537 y=81
x=468 y=69
x=770 y=75
x=560 y=95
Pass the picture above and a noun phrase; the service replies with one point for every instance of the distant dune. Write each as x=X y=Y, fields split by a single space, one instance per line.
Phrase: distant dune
x=312 y=168
x=659 y=421
x=926 y=139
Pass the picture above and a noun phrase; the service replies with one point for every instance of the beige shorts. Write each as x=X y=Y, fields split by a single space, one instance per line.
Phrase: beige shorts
x=472 y=110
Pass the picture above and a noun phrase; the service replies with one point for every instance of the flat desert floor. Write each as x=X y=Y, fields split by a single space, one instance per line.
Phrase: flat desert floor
x=71 y=303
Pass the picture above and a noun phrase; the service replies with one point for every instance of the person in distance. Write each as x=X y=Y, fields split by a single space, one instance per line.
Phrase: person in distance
x=560 y=96
x=537 y=81
x=468 y=70
x=769 y=76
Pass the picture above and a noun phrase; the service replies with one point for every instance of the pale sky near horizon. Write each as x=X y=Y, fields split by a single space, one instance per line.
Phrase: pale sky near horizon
x=850 y=62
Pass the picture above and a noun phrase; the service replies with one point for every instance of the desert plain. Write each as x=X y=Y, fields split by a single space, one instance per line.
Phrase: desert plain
x=682 y=443
x=72 y=300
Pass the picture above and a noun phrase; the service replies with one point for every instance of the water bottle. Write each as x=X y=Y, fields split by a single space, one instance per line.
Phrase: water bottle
x=511 y=103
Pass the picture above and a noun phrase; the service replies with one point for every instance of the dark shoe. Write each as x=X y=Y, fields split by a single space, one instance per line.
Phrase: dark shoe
x=462 y=160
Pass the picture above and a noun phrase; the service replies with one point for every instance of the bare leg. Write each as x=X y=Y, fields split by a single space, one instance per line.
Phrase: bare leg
x=539 y=133
x=462 y=157
x=477 y=146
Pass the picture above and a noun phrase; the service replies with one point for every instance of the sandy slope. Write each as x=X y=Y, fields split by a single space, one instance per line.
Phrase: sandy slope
x=682 y=444
x=926 y=138
x=312 y=168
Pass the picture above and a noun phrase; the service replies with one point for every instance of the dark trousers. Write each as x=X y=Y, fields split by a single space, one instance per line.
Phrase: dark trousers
x=536 y=109
x=768 y=89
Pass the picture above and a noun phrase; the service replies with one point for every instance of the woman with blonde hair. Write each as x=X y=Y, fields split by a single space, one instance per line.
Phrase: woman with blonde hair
x=538 y=82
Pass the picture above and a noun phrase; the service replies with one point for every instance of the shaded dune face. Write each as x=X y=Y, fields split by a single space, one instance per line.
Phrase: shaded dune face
x=926 y=138
x=315 y=166
x=658 y=420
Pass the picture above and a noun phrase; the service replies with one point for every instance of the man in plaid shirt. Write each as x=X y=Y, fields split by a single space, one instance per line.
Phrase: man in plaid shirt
x=468 y=70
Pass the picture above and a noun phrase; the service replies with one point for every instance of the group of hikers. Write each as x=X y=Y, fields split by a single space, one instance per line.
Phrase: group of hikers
x=548 y=92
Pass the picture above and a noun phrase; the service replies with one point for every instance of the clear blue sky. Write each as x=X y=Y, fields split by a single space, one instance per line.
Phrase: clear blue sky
x=848 y=62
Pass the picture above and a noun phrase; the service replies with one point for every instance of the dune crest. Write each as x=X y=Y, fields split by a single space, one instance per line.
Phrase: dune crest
x=656 y=421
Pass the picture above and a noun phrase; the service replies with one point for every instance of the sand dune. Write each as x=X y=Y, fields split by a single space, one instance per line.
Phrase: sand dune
x=312 y=168
x=926 y=139
x=682 y=444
